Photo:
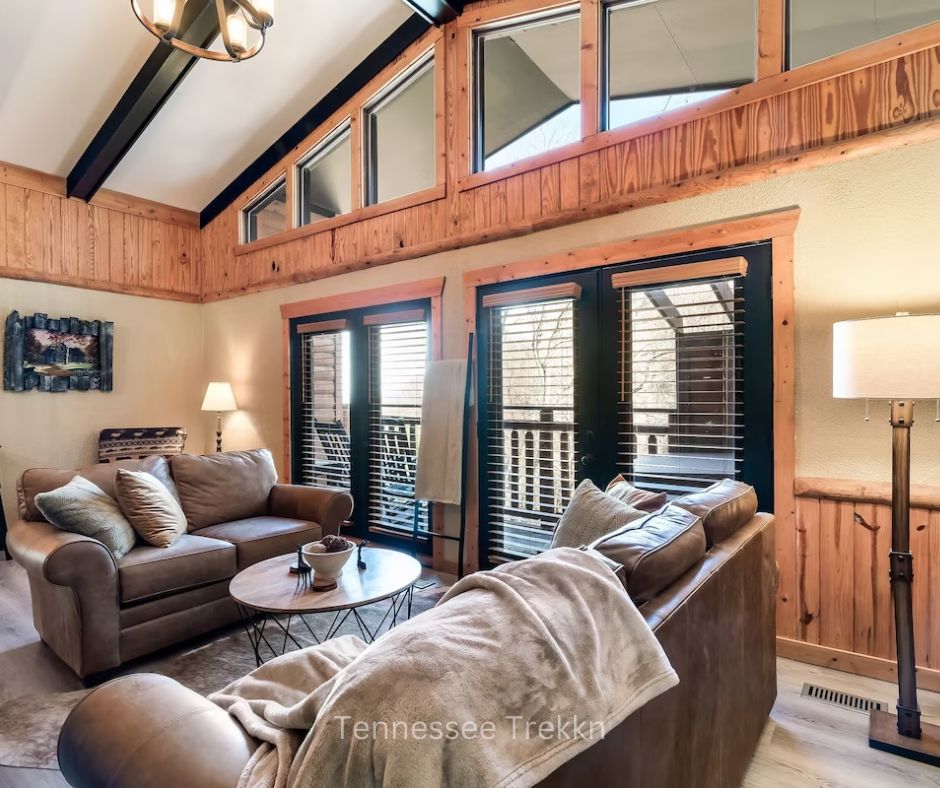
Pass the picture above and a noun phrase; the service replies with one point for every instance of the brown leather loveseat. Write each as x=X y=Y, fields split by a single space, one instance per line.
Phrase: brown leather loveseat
x=96 y=612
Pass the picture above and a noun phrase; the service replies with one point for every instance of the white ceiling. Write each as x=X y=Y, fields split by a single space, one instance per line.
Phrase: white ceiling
x=63 y=67
x=66 y=63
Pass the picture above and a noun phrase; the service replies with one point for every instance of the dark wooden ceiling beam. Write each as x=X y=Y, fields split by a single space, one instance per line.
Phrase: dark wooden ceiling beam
x=164 y=70
x=383 y=55
x=437 y=12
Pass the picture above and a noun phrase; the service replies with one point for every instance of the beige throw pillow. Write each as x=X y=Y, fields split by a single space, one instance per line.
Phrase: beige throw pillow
x=591 y=515
x=150 y=507
x=82 y=507
x=644 y=500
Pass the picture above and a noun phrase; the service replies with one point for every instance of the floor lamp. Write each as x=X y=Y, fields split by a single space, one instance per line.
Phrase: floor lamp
x=219 y=399
x=897 y=359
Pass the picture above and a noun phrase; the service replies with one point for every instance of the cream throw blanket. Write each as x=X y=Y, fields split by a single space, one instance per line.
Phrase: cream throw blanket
x=520 y=655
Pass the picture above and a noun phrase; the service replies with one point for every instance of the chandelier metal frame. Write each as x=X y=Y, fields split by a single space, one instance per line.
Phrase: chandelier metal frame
x=258 y=20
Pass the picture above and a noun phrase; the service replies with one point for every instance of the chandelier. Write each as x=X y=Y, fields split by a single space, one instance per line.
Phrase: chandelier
x=235 y=19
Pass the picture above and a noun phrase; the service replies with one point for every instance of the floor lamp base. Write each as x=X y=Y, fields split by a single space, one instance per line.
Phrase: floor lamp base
x=883 y=735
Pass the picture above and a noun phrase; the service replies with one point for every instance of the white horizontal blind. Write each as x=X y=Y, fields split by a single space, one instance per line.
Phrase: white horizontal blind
x=324 y=436
x=398 y=354
x=530 y=422
x=681 y=383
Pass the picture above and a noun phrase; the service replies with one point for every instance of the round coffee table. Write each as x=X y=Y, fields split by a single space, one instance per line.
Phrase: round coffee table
x=266 y=592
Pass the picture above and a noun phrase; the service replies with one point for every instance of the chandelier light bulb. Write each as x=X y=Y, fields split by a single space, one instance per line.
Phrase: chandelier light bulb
x=265 y=7
x=238 y=32
x=163 y=12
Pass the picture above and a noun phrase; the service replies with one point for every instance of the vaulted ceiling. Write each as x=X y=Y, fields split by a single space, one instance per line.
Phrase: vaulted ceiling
x=65 y=65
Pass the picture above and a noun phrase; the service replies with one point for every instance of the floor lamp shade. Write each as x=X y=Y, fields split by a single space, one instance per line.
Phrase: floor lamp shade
x=887 y=358
x=219 y=398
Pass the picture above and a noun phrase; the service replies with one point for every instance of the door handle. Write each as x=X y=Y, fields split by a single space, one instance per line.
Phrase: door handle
x=587 y=459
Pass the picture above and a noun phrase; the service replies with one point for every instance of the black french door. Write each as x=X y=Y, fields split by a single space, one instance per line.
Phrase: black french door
x=357 y=380
x=659 y=370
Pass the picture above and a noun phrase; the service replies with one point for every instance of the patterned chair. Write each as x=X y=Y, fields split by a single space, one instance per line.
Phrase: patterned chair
x=135 y=443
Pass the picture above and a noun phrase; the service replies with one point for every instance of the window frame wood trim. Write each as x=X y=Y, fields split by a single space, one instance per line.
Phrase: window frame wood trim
x=532 y=295
x=324 y=326
x=391 y=318
x=411 y=291
x=771 y=38
x=728 y=266
x=778 y=227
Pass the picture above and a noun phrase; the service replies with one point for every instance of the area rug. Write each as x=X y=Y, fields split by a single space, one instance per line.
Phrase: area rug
x=30 y=724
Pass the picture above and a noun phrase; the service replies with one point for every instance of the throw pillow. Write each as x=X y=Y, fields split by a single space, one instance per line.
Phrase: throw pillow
x=644 y=500
x=150 y=508
x=82 y=507
x=590 y=515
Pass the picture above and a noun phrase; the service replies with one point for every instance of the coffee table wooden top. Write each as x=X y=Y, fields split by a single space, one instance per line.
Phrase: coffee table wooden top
x=270 y=587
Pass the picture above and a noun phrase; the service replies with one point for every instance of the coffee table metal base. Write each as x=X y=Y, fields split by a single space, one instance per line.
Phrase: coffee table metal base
x=270 y=634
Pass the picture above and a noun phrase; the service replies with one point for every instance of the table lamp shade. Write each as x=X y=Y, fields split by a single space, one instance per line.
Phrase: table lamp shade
x=219 y=398
x=887 y=358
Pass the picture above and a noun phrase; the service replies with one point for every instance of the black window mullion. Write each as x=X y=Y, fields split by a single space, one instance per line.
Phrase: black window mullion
x=359 y=430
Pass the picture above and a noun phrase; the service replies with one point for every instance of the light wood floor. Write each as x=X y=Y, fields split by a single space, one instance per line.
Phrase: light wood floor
x=807 y=743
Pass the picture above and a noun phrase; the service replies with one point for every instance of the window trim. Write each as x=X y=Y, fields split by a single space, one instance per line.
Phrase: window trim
x=323 y=146
x=478 y=35
x=416 y=69
x=260 y=196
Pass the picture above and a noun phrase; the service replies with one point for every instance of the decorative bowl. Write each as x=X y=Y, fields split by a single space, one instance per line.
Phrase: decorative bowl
x=326 y=565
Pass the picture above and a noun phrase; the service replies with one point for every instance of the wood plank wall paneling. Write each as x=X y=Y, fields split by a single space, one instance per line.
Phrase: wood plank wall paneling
x=842 y=592
x=117 y=243
x=818 y=114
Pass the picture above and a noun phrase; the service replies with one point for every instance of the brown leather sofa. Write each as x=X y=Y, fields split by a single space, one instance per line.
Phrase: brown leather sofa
x=715 y=622
x=96 y=612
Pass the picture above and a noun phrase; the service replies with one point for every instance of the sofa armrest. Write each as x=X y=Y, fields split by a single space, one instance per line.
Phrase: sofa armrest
x=328 y=506
x=58 y=556
x=150 y=731
x=74 y=588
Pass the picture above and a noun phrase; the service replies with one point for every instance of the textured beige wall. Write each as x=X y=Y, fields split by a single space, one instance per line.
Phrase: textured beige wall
x=158 y=380
x=866 y=244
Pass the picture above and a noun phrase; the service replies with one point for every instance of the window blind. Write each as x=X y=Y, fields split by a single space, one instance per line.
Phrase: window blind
x=324 y=423
x=680 y=425
x=398 y=353
x=530 y=423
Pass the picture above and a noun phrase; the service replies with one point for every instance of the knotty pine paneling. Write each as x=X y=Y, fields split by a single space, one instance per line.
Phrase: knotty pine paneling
x=842 y=593
x=49 y=238
x=801 y=122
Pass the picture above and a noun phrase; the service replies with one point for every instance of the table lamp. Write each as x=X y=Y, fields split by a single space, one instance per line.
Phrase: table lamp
x=220 y=399
x=897 y=359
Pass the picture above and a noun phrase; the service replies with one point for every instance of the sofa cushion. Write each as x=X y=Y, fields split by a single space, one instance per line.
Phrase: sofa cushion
x=38 y=480
x=656 y=554
x=220 y=488
x=590 y=515
x=82 y=507
x=147 y=571
x=150 y=507
x=644 y=500
x=258 y=538
x=724 y=508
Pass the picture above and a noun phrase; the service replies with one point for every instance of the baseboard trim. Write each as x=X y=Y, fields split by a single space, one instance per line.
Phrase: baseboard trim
x=852 y=662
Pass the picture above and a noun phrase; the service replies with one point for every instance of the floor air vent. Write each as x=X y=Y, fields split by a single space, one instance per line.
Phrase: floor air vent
x=843 y=699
